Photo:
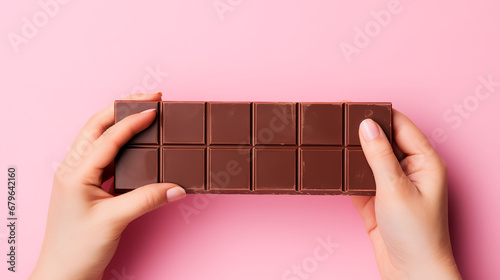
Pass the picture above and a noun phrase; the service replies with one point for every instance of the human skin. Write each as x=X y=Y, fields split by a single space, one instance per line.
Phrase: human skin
x=407 y=220
x=85 y=222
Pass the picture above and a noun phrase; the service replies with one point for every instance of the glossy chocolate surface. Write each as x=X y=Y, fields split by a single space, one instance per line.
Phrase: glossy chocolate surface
x=321 y=123
x=357 y=112
x=136 y=167
x=184 y=166
x=229 y=123
x=183 y=123
x=358 y=175
x=251 y=147
x=229 y=168
x=275 y=124
x=321 y=168
x=126 y=108
x=275 y=169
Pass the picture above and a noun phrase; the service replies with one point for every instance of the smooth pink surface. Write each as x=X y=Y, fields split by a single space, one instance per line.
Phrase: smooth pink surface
x=428 y=58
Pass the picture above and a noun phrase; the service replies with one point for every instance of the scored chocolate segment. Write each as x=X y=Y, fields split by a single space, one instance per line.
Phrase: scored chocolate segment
x=229 y=123
x=321 y=169
x=184 y=166
x=275 y=124
x=251 y=147
x=135 y=167
x=229 y=168
x=183 y=122
x=356 y=112
x=321 y=123
x=275 y=169
x=125 y=108
x=358 y=174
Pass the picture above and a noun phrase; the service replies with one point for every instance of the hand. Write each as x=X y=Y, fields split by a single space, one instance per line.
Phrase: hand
x=85 y=222
x=407 y=220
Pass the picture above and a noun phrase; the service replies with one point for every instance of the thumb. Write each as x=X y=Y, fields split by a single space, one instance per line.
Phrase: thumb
x=129 y=206
x=389 y=176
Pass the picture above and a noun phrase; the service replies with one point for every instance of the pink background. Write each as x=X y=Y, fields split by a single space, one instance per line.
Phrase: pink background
x=88 y=53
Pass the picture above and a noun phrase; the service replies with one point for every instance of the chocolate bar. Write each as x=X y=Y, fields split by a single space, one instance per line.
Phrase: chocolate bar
x=251 y=147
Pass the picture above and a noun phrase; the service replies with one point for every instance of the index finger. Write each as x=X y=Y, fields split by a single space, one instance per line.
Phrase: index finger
x=408 y=137
x=102 y=120
x=108 y=145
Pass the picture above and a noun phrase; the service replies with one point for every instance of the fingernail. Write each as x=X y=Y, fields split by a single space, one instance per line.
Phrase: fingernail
x=369 y=130
x=148 y=110
x=175 y=193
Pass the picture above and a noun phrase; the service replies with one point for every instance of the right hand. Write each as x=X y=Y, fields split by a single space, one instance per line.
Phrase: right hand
x=407 y=220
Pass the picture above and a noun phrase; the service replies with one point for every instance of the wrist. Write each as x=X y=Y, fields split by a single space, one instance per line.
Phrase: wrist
x=444 y=268
x=50 y=271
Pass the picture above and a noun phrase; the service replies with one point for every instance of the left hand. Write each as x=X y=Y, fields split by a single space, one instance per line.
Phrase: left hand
x=85 y=222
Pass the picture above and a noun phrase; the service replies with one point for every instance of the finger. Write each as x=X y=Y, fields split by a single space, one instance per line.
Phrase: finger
x=389 y=175
x=96 y=125
x=108 y=145
x=423 y=166
x=408 y=137
x=366 y=209
x=102 y=120
x=129 y=206
x=144 y=96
